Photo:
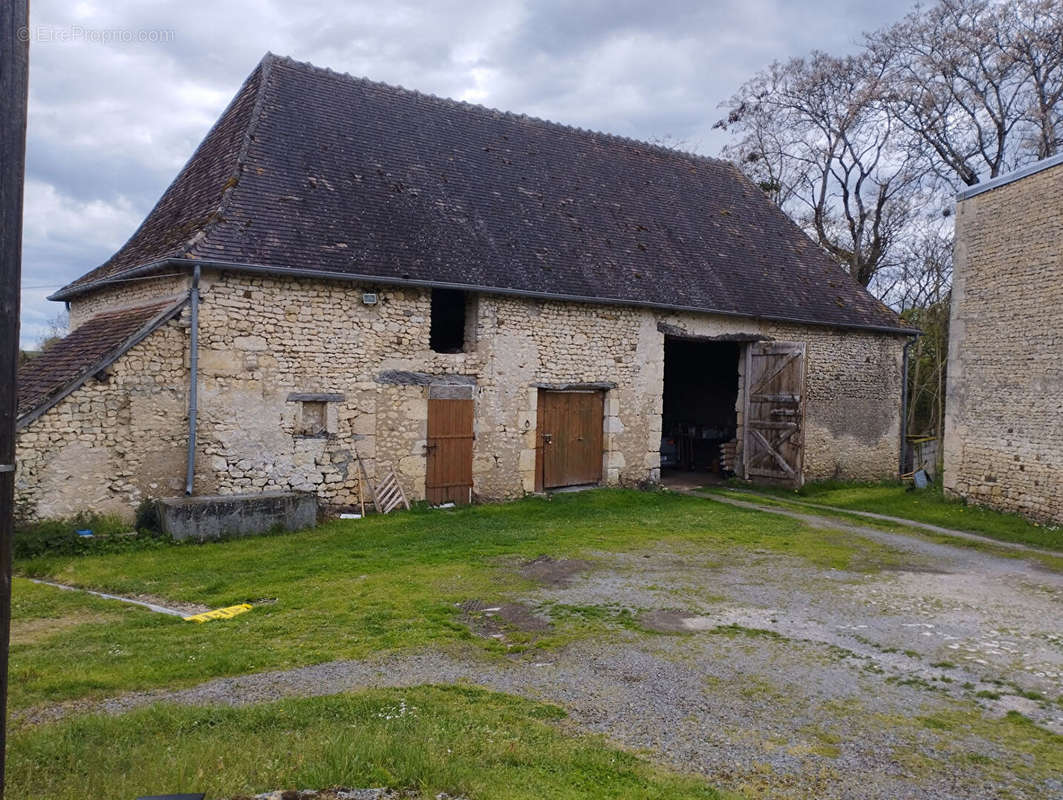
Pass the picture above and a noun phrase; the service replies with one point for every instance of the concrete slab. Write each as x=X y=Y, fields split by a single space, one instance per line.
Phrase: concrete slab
x=223 y=516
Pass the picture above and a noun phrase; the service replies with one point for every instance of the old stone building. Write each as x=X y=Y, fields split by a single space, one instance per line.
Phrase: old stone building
x=489 y=304
x=1004 y=409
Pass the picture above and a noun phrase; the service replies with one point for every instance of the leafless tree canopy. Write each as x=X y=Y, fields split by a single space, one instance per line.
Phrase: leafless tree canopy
x=815 y=133
x=866 y=152
x=976 y=84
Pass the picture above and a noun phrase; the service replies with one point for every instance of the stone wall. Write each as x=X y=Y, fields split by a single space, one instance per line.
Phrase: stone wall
x=127 y=294
x=291 y=387
x=1004 y=406
x=118 y=438
x=852 y=392
x=266 y=339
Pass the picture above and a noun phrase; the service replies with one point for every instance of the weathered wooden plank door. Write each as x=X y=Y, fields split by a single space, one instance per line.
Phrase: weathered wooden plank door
x=570 y=437
x=448 y=477
x=774 y=411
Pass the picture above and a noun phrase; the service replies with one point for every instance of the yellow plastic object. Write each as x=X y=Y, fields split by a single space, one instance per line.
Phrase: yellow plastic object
x=219 y=613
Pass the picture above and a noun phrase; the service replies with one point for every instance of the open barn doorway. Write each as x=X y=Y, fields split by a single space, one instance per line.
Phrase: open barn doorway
x=699 y=419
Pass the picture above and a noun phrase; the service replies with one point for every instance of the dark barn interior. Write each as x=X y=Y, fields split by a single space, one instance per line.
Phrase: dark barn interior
x=700 y=393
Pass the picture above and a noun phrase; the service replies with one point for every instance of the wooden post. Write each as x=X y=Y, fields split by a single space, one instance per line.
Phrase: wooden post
x=14 y=73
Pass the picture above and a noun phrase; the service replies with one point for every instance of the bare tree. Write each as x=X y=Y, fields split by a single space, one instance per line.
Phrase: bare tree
x=816 y=135
x=976 y=84
x=1037 y=43
x=58 y=328
x=865 y=152
x=921 y=272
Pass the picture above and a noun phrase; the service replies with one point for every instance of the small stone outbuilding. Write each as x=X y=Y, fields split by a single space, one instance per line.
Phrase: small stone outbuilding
x=488 y=303
x=1004 y=403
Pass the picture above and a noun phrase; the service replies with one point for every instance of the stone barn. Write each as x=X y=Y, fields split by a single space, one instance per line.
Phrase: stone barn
x=1004 y=400
x=487 y=303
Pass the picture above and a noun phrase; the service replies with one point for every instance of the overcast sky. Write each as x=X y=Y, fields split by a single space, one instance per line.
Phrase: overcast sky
x=122 y=91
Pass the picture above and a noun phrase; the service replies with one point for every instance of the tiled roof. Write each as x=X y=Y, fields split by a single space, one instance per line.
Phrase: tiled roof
x=316 y=171
x=68 y=362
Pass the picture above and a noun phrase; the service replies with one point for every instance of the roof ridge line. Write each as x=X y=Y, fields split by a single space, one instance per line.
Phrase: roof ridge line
x=520 y=117
x=195 y=237
x=233 y=183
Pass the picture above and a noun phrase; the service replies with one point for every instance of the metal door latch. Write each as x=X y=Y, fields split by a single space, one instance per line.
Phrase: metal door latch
x=7 y=467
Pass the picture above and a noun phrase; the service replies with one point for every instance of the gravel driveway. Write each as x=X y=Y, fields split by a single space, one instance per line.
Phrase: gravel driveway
x=770 y=675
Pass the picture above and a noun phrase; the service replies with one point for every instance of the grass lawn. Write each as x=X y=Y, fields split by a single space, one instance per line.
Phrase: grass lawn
x=350 y=590
x=459 y=740
x=353 y=588
x=928 y=505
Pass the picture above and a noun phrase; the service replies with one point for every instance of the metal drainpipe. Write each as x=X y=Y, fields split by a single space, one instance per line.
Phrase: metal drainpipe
x=904 y=404
x=193 y=381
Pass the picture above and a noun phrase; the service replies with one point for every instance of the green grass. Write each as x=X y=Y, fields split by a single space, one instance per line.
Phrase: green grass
x=110 y=534
x=928 y=506
x=459 y=740
x=1024 y=751
x=350 y=589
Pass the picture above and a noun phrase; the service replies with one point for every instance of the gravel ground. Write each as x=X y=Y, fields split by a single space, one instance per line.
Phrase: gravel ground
x=765 y=673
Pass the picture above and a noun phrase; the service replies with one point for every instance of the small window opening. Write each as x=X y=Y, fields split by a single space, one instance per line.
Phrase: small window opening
x=448 y=328
x=314 y=419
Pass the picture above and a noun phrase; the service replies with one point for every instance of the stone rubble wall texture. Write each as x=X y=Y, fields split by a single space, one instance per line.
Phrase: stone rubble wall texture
x=1004 y=403
x=852 y=393
x=127 y=294
x=114 y=441
x=263 y=339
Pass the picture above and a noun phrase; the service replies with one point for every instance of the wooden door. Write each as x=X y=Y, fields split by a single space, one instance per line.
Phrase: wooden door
x=448 y=478
x=774 y=411
x=570 y=438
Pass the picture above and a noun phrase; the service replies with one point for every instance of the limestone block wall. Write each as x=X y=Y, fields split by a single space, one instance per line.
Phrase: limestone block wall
x=113 y=441
x=265 y=340
x=127 y=294
x=1004 y=403
x=852 y=392
x=296 y=376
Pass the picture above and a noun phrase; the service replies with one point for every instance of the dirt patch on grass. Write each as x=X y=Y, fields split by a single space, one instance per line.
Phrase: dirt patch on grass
x=662 y=621
x=553 y=571
x=494 y=620
x=30 y=631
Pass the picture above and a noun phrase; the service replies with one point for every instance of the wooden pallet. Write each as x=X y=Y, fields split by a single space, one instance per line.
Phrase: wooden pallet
x=388 y=494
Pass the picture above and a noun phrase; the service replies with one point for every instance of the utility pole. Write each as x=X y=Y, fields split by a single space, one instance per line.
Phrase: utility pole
x=14 y=77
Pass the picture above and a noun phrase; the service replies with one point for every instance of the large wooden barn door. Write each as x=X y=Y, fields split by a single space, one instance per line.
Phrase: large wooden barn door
x=450 y=437
x=570 y=438
x=774 y=418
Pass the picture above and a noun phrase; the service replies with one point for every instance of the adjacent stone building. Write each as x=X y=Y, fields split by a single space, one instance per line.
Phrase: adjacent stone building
x=489 y=304
x=1004 y=409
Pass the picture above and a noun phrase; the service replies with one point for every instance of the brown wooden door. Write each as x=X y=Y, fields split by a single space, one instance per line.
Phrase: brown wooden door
x=570 y=438
x=775 y=404
x=449 y=451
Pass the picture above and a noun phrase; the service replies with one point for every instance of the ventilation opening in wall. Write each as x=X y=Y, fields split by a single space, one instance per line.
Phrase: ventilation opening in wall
x=699 y=418
x=313 y=420
x=449 y=331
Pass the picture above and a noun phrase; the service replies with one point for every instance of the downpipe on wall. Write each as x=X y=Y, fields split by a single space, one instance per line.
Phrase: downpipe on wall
x=904 y=404
x=193 y=380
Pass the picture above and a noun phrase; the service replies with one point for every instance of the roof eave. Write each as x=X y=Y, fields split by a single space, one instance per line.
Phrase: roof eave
x=72 y=290
x=51 y=400
x=1010 y=177
x=299 y=272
